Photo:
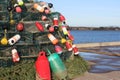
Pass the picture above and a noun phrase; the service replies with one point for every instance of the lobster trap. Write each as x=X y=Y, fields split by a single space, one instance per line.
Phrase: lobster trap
x=28 y=40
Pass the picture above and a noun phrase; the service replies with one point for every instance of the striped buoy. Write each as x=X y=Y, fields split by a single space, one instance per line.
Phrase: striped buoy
x=75 y=50
x=14 y=39
x=52 y=39
x=15 y=56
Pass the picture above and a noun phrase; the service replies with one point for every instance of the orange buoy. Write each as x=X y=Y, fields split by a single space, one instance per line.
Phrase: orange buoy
x=52 y=39
x=42 y=67
x=38 y=7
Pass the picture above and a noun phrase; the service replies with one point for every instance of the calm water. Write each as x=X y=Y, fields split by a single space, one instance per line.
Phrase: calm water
x=104 y=63
x=95 y=36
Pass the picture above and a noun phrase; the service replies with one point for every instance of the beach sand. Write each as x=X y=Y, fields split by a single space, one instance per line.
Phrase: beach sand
x=113 y=75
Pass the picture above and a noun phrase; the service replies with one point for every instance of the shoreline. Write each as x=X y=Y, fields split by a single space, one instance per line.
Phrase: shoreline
x=110 y=75
x=113 y=75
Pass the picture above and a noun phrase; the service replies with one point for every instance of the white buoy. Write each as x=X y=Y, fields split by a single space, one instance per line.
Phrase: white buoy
x=14 y=39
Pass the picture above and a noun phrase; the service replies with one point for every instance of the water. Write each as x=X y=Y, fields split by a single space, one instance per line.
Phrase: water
x=103 y=63
x=95 y=36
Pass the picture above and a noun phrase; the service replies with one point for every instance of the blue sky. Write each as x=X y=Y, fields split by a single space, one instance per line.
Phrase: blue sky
x=89 y=12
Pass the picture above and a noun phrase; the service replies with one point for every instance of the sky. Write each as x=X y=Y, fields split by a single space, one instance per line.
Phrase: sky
x=92 y=13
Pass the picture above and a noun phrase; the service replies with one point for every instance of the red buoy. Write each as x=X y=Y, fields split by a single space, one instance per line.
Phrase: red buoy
x=70 y=36
x=55 y=22
x=39 y=26
x=17 y=8
x=58 y=49
x=75 y=50
x=15 y=56
x=68 y=45
x=20 y=26
x=51 y=29
x=42 y=67
x=62 y=18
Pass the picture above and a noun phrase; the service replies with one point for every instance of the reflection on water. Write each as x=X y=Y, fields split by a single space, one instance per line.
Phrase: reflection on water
x=104 y=63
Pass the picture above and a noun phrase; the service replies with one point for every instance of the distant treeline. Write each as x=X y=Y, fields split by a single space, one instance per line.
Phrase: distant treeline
x=94 y=28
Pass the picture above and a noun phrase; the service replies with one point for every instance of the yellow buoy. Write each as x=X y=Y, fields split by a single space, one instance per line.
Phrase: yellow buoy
x=63 y=40
x=4 y=41
x=12 y=22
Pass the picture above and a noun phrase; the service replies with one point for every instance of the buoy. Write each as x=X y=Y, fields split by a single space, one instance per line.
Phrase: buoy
x=62 y=18
x=4 y=41
x=15 y=56
x=9 y=8
x=65 y=32
x=52 y=39
x=38 y=7
x=75 y=50
x=56 y=28
x=68 y=45
x=47 y=11
x=20 y=2
x=12 y=22
x=47 y=5
x=20 y=26
x=44 y=18
x=17 y=8
x=49 y=27
x=70 y=36
x=63 y=40
x=50 y=5
x=55 y=21
x=42 y=67
x=39 y=26
x=14 y=39
x=58 y=49
x=57 y=66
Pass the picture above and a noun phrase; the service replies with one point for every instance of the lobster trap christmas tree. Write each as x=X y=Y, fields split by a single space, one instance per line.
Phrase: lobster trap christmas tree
x=36 y=43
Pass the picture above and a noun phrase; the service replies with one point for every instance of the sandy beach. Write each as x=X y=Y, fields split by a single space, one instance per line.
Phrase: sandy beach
x=113 y=75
